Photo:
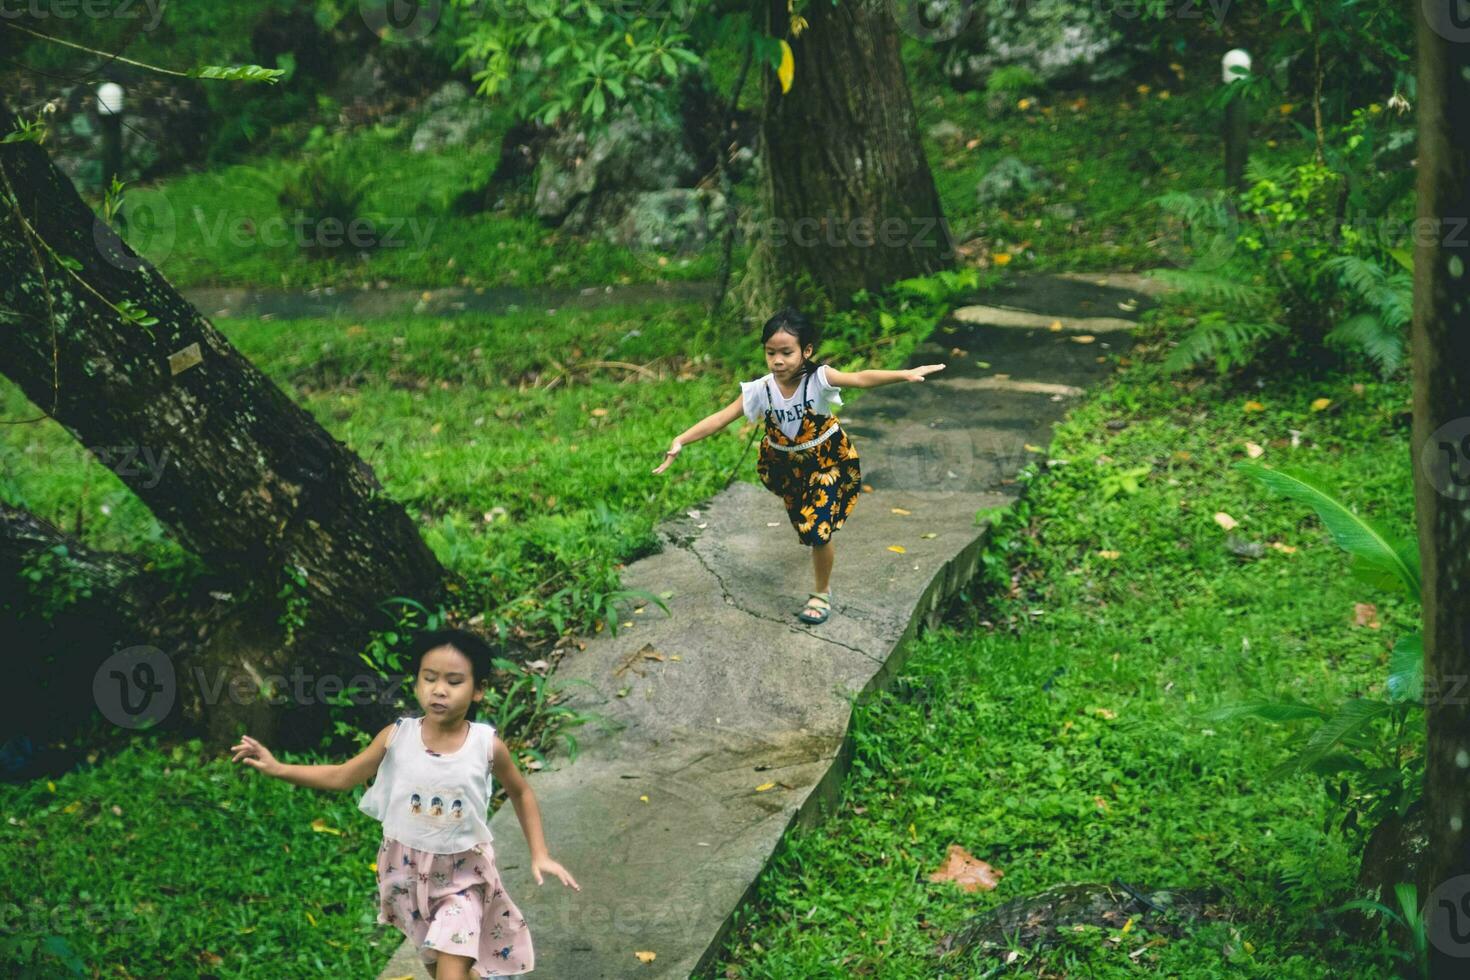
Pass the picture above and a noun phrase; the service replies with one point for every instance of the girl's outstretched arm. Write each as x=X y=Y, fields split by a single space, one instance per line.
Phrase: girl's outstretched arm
x=335 y=777
x=518 y=791
x=706 y=426
x=874 y=378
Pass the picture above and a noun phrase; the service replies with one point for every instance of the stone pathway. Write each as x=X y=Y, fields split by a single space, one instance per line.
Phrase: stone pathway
x=667 y=820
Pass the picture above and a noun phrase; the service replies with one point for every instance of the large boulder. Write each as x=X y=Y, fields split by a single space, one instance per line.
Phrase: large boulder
x=1010 y=181
x=455 y=118
x=589 y=183
x=671 y=225
x=1061 y=42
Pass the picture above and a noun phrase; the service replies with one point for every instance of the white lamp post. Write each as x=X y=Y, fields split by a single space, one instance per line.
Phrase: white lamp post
x=1233 y=67
x=110 y=108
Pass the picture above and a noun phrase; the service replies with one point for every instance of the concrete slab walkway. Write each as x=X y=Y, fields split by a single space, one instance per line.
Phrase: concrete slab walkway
x=665 y=821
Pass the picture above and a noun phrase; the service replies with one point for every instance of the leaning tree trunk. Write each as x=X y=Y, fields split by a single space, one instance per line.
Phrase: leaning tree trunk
x=1441 y=353
x=252 y=483
x=849 y=197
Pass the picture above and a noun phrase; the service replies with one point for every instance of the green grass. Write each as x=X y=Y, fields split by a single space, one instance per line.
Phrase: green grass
x=1057 y=732
x=459 y=417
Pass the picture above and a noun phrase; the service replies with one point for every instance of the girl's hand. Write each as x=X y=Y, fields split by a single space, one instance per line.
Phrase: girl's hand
x=540 y=864
x=917 y=374
x=674 y=448
x=255 y=755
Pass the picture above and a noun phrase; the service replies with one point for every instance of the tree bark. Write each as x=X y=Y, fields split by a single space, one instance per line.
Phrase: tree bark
x=249 y=480
x=849 y=198
x=1441 y=430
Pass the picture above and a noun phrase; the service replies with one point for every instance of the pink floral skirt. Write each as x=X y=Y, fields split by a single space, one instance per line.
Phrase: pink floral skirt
x=454 y=903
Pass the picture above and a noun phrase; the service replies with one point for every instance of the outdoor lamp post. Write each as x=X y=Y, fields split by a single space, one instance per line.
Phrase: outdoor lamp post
x=1233 y=67
x=110 y=108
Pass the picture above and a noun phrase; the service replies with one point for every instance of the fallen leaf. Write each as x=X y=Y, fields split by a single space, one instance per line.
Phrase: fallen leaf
x=898 y=548
x=1001 y=258
x=320 y=826
x=1321 y=403
x=900 y=510
x=1110 y=555
x=1102 y=804
x=1252 y=450
x=1033 y=449
x=599 y=412
x=765 y=786
x=1365 y=614
x=648 y=955
x=1105 y=713
x=931 y=534
x=1285 y=549
x=1083 y=338
x=1253 y=407
x=1225 y=520
x=967 y=871
x=643 y=798
x=1054 y=325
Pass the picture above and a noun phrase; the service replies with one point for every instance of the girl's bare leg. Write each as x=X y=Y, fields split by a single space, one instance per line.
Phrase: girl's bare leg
x=451 y=967
x=822 y=557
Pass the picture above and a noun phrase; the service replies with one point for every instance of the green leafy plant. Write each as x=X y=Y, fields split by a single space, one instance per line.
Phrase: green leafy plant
x=1364 y=749
x=1408 y=917
x=296 y=602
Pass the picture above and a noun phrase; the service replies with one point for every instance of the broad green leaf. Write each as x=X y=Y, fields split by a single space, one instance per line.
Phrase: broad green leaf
x=1378 y=559
x=239 y=73
x=1406 y=669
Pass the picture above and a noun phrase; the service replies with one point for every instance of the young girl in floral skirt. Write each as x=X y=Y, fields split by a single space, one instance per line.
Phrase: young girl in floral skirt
x=806 y=458
x=433 y=777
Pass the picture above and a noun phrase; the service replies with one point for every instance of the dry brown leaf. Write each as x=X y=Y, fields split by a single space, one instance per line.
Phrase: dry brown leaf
x=967 y=871
x=1365 y=614
x=645 y=955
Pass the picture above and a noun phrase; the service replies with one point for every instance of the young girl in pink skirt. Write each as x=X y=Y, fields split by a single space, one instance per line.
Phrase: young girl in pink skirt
x=431 y=790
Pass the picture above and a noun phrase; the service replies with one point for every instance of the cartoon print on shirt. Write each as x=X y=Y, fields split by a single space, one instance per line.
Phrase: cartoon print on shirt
x=436 y=807
x=415 y=804
x=456 y=810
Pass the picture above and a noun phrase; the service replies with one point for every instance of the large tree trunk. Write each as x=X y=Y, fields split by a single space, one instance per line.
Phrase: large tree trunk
x=849 y=198
x=251 y=483
x=1441 y=353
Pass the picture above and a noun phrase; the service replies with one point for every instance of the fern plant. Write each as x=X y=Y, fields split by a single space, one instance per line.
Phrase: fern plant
x=1365 y=749
x=1381 y=304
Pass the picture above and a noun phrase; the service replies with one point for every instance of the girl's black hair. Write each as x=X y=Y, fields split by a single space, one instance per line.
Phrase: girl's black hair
x=791 y=320
x=475 y=648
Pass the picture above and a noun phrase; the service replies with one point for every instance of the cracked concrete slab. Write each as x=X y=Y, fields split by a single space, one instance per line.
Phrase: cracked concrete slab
x=724 y=722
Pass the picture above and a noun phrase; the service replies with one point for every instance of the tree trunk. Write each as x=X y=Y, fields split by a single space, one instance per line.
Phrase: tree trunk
x=1441 y=357
x=849 y=199
x=57 y=633
x=249 y=481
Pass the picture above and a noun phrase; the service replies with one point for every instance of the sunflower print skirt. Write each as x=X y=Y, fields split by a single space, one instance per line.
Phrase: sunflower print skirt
x=819 y=486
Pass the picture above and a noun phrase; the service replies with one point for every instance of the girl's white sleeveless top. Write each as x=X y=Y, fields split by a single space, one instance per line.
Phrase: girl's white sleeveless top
x=436 y=803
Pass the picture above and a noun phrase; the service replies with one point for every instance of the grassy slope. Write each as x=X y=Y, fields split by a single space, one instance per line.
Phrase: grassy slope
x=1181 y=804
x=1064 y=742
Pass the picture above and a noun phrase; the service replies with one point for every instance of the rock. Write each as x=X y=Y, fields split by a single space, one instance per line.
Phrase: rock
x=1008 y=182
x=586 y=183
x=451 y=93
x=671 y=224
x=456 y=118
x=945 y=131
x=1064 y=43
x=1062 y=211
